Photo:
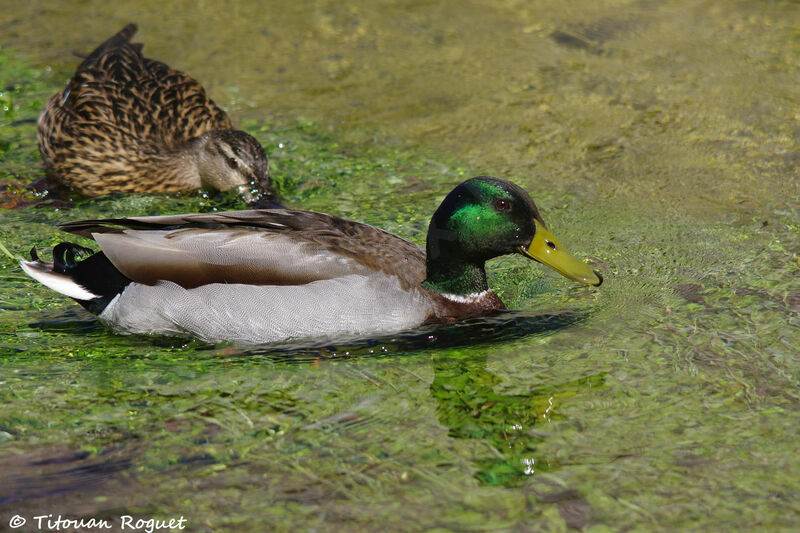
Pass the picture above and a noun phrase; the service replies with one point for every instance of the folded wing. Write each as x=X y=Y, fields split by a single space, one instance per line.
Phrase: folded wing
x=259 y=247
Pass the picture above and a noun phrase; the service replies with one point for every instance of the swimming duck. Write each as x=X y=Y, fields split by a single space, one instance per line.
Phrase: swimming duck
x=263 y=276
x=126 y=123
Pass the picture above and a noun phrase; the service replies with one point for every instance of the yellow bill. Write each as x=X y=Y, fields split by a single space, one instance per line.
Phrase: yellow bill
x=547 y=250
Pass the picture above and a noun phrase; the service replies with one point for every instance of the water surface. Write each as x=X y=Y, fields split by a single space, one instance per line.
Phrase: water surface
x=659 y=140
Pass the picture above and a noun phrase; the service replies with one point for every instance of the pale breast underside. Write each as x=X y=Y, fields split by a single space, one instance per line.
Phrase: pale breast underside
x=353 y=305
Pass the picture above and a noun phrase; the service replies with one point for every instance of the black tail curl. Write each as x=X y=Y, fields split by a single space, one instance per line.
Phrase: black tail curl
x=91 y=270
x=64 y=255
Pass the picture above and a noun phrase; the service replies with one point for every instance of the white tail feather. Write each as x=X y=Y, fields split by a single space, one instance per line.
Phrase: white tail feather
x=61 y=283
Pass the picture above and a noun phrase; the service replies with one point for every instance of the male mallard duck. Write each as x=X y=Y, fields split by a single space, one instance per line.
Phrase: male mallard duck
x=270 y=275
x=126 y=123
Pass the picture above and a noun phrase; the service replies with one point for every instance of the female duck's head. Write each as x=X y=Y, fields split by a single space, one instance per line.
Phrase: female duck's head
x=232 y=159
x=484 y=218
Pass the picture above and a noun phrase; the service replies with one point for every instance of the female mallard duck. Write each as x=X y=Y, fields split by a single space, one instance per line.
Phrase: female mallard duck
x=271 y=275
x=126 y=123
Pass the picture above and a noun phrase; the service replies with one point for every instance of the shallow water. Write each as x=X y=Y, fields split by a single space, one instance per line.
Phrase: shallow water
x=659 y=140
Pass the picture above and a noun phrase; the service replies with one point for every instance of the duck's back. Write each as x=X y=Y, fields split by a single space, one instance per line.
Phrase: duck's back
x=120 y=116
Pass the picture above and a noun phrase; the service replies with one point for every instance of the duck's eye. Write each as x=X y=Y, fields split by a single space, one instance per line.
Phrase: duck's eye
x=502 y=205
x=233 y=163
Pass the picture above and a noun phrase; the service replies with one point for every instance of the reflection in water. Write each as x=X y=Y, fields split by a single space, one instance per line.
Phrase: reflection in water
x=465 y=391
x=471 y=409
x=501 y=326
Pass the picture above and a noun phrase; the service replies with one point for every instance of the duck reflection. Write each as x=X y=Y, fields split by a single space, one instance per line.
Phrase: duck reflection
x=511 y=424
x=468 y=402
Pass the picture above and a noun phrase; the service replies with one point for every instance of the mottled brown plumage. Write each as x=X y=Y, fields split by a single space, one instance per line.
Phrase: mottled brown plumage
x=126 y=123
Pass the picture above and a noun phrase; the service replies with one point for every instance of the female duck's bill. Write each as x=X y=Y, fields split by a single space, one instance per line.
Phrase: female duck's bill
x=265 y=276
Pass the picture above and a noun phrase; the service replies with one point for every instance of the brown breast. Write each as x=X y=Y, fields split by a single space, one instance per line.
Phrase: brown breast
x=452 y=309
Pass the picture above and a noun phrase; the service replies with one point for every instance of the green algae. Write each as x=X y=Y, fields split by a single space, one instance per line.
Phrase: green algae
x=23 y=92
x=671 y=404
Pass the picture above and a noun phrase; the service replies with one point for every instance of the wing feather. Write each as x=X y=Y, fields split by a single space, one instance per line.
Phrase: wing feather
x=258 y=247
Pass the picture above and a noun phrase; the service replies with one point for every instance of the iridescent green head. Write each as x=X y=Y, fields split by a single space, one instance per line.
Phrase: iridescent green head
x=487 y=217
